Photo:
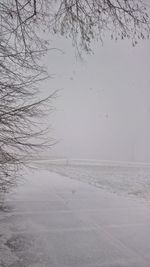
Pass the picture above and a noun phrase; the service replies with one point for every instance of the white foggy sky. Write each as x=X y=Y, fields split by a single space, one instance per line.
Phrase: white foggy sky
x=103 y=109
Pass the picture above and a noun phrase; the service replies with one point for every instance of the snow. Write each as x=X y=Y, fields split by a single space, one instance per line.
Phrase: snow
x=131 y=179
x=52 y=220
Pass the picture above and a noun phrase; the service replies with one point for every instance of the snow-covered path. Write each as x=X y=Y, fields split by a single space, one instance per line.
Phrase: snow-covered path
x=56 y=221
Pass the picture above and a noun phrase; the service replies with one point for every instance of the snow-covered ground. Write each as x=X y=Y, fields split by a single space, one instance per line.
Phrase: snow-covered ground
x=129 y=179
x=50 y=220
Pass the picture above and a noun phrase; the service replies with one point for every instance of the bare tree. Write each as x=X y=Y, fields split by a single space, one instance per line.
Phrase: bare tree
x=23 y=24
x=21 y=47
x=84 y=20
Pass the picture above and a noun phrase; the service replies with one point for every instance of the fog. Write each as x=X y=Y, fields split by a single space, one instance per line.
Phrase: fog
x=103 y=106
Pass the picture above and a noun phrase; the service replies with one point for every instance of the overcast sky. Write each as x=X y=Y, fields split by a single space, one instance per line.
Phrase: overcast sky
x=103 y=108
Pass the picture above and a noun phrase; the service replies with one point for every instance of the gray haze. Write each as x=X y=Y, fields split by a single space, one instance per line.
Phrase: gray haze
x=103 y=108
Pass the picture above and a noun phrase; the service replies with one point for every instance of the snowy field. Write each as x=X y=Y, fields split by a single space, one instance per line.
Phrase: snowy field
x=127 y=179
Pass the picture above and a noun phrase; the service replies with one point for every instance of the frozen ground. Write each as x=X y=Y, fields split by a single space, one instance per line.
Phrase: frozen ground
x=53 y=221
x=132 y=180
